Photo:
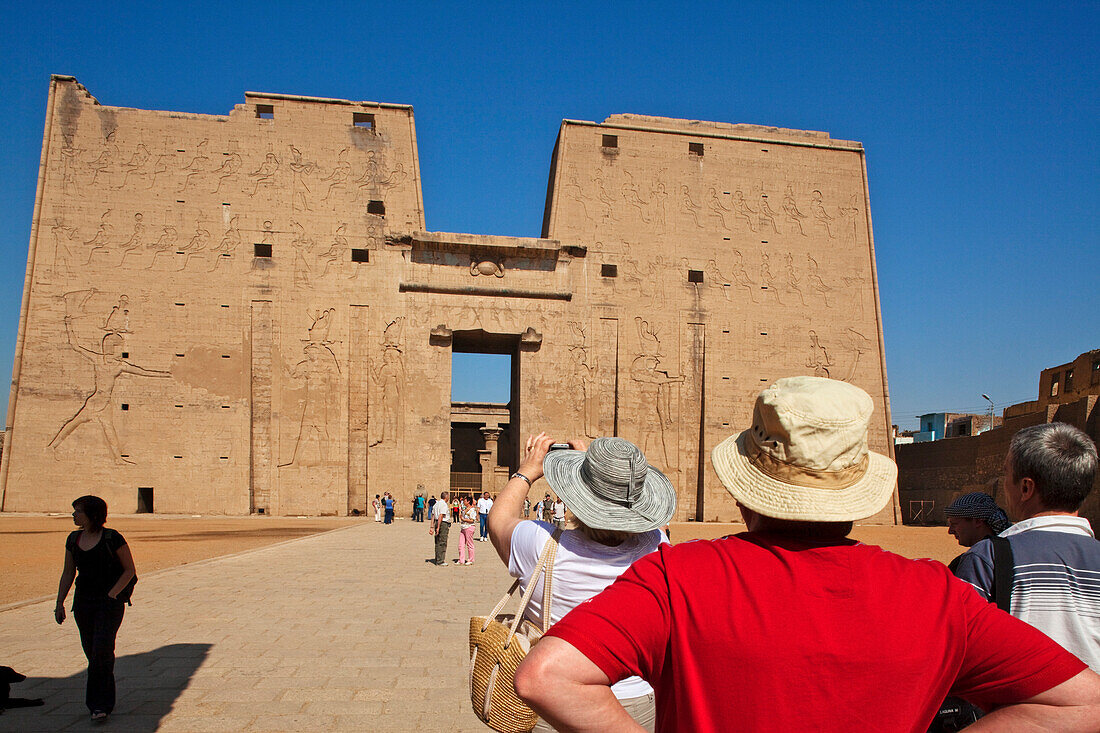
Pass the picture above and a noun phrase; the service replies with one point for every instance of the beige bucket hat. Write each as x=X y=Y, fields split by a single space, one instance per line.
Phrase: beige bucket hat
x=805 y=458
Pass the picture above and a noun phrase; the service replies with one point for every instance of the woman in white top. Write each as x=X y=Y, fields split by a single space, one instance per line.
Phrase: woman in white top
x=618 y=501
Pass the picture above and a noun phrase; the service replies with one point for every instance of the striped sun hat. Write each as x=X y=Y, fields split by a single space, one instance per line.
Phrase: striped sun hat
x=979 y=505
x=611 y=486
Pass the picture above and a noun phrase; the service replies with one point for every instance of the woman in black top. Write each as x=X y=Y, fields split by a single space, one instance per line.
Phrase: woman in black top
x=100 y=561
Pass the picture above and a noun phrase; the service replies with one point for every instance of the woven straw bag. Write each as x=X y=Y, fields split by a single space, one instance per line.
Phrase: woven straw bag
x=499 y=642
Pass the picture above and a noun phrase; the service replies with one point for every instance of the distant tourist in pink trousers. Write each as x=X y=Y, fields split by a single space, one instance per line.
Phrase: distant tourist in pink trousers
x=468 y=517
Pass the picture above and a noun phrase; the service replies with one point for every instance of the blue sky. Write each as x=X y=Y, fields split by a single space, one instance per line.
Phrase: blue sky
x=980 y=122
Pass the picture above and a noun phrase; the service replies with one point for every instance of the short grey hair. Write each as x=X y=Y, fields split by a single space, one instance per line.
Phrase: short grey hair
x=1060 y=459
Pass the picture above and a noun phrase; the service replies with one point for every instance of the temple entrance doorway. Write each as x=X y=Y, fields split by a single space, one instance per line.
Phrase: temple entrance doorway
x=484 y=411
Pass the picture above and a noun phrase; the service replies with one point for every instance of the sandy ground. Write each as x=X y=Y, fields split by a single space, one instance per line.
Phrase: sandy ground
x=32 y=545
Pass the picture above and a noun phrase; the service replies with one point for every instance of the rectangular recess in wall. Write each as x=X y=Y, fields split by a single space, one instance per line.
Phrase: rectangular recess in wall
x=695 y=148
x=265 y=111
x=360 y=255
x=363 y=120
x=261 y=250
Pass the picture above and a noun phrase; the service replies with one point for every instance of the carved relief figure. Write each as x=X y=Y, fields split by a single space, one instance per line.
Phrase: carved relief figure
x=790 y=208
x=792 y=278
x=302 y=245
x=320 y=373
x=198 y=244
x=369 y=180
x=391 y=337
x=339 y=176
x=634 y=198
x=486 y=267
x=265 y=174
x=655 y=388
x=767 y=216
x=160 y=165
x=228 y=169
x=396 y=177
x=98 y=242
x=64 y=239
x=849 y=218
x=717 y=208
x=134 y=243
x=602 y=194
x=101 y=165
x=660 y=206
x=585 y=375
x=816 y=282
x=198 y=166
x=742 y=210
x=820 y=215
x=819 y=359
x=647 y=337
x=858 y=344
x=574 y=191
x=741 y=276
x=388 y=379
x=299 y=189
x=118 y=320
x=689 y=207
x=135 y=166
x=229 y=243
x=715 y=277
x=766 y=278
x=107 y=367
x=335 y=253
x=70 y=156
x=166 y=242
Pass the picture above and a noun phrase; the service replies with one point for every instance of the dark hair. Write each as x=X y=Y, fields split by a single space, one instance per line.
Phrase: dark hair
x=94 y=508
x=1059 y=458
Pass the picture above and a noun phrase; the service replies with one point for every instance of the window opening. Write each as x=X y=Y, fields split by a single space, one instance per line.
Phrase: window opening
x=695 y=148
x=364 y=120
x=376 y=207
x=610 y=141
x=265 y=111
x=609 y=270
x=360 y=255
x=262 y=250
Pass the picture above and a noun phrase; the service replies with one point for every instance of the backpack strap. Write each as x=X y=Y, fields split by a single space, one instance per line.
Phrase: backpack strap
x=1004 y=566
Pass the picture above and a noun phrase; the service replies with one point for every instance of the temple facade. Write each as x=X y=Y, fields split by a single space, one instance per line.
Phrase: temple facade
x=246 y=314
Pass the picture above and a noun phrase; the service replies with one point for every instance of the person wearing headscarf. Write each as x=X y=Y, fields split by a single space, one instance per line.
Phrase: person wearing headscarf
x=972 y=518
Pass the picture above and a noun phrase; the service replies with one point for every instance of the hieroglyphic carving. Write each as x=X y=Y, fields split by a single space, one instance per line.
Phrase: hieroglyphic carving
x=229 y=168
x=660 y=202
x=849 y=219
x=717 y=208
x=98 y=242
x=574 y=191
x=200 y=240
x=302 y=245
x=134 y=243
x=857 y=344
x=790 y=208
x=792 y=279
x=64 y=240
x=299 y=188
x=742 y=210
x=654 y=386
x=741 y=276
x=101 y=165
x=107 y=367
x=819 y=359
x=816 y=282
x=388 y=379
x=319 y=373
x=602 y=194
x=368 y=182
x=634 y=198
x=166 y=242
x=339 y=176
x=821 y=217
x=767 y=280
x=688 y=206
x=335 y=253
x=265 y=174
x=489 y=268
x=767 y=216
x=586 y=375
x=199 y=165
x=136 y=166
x=229 y=243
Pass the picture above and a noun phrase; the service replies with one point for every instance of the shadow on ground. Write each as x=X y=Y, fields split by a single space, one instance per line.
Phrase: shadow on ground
x=148 y=686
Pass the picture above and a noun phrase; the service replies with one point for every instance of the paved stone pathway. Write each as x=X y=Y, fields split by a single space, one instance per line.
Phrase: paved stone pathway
x=350 y=630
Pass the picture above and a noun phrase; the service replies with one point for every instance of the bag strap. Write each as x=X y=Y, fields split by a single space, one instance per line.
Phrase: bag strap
x=1003 y=569
x=549 y=550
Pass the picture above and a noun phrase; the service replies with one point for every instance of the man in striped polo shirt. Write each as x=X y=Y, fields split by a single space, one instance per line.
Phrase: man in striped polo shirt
x=1048 y=472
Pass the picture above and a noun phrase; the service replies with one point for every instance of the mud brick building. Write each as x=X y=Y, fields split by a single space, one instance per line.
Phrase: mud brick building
x=932 y=474
x=246 y=313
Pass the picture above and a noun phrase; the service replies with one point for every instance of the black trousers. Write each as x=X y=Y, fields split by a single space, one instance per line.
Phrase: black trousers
x=98 y=622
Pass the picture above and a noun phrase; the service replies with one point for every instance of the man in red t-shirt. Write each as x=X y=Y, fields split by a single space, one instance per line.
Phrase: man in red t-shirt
x=793 y=626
